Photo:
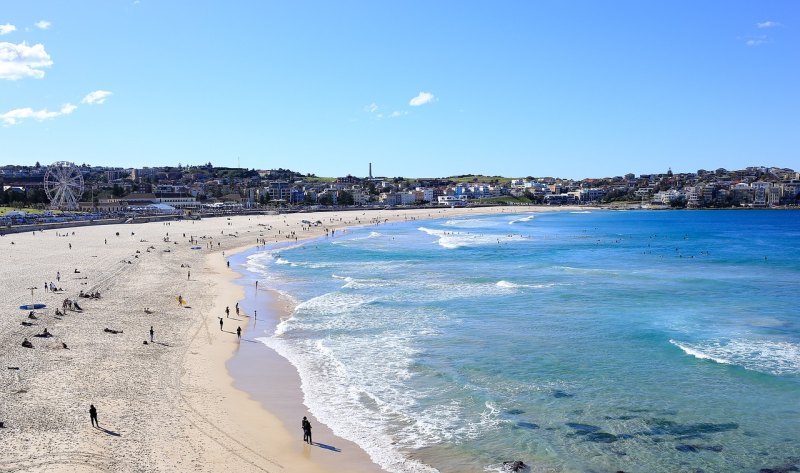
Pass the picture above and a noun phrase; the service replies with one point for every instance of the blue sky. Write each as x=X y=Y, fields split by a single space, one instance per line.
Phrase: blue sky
x=420 y=89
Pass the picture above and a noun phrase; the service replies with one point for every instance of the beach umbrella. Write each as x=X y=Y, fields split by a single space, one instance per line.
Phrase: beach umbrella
x=32 y=305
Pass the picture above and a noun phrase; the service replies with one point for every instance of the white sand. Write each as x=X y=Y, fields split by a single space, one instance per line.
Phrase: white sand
x=165 y=406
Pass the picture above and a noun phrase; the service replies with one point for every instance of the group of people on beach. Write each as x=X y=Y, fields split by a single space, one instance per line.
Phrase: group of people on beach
x=71 y=305
x=51 y=287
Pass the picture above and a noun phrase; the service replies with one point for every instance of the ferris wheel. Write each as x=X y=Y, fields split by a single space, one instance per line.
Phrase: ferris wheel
x=63 y=184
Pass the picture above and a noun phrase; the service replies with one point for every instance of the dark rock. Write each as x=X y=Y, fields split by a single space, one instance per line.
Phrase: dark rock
x=515 y=412
x=697 y=448
x=600 y=437
x=779 y=469
x=660 y=426
x=562 y=394
x=620 y=417
x=516 y=465
x=582 y=429
x=528 y=425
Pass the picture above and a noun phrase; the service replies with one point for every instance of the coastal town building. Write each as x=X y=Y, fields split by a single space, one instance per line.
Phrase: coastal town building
x=184 y=188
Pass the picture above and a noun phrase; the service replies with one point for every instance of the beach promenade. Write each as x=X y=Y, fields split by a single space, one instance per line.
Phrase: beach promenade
x=169 y=404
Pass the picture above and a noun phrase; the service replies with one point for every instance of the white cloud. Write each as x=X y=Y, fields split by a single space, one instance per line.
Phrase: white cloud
x=18 y=61
x=756 y=40
x=767 y=24
x=13 y=117
x=43 y=25
x=396 y=114
x=7 y=28
x=371 y=108
x=422 y=99
x=96 y=97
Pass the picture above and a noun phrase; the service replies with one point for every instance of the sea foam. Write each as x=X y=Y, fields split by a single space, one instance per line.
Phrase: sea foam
x=520 y=220
x=453 y=240
x=778 y=358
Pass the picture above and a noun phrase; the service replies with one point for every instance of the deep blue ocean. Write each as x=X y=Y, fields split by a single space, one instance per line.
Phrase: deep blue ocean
x=642 y=341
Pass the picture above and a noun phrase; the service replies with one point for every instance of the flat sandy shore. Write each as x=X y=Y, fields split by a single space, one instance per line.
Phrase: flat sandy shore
x=168 y=405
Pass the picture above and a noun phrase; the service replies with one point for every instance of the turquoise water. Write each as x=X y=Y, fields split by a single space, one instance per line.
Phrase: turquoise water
x=575 y=341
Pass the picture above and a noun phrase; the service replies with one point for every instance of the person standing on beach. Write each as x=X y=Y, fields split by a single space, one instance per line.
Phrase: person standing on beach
x=93 y=416
x=220 y=324
x=237 y=308
x=307 y=431
x=188 y=275
x=238 y=333
x=227 y=311
x=151 y=333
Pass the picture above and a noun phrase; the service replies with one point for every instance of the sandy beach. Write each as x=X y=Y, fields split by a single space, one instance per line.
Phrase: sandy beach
x=170 y=404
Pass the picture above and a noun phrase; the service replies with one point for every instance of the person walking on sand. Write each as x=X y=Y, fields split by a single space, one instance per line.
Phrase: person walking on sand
x=188 y=275
x=220 y=324
x=227 y=311
x=93 y=416
x=151 y=333
x=237 y=308
x=238 y=333
x=307 y=431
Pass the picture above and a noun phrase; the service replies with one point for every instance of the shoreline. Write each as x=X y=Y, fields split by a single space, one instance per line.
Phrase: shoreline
x=163 y=406
x=274 y=383
x=244 y=365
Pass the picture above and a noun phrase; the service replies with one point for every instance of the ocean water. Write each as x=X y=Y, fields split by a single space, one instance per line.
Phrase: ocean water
x=641 y=341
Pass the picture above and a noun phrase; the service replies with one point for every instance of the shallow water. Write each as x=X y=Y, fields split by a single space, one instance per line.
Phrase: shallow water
x=600 y=341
